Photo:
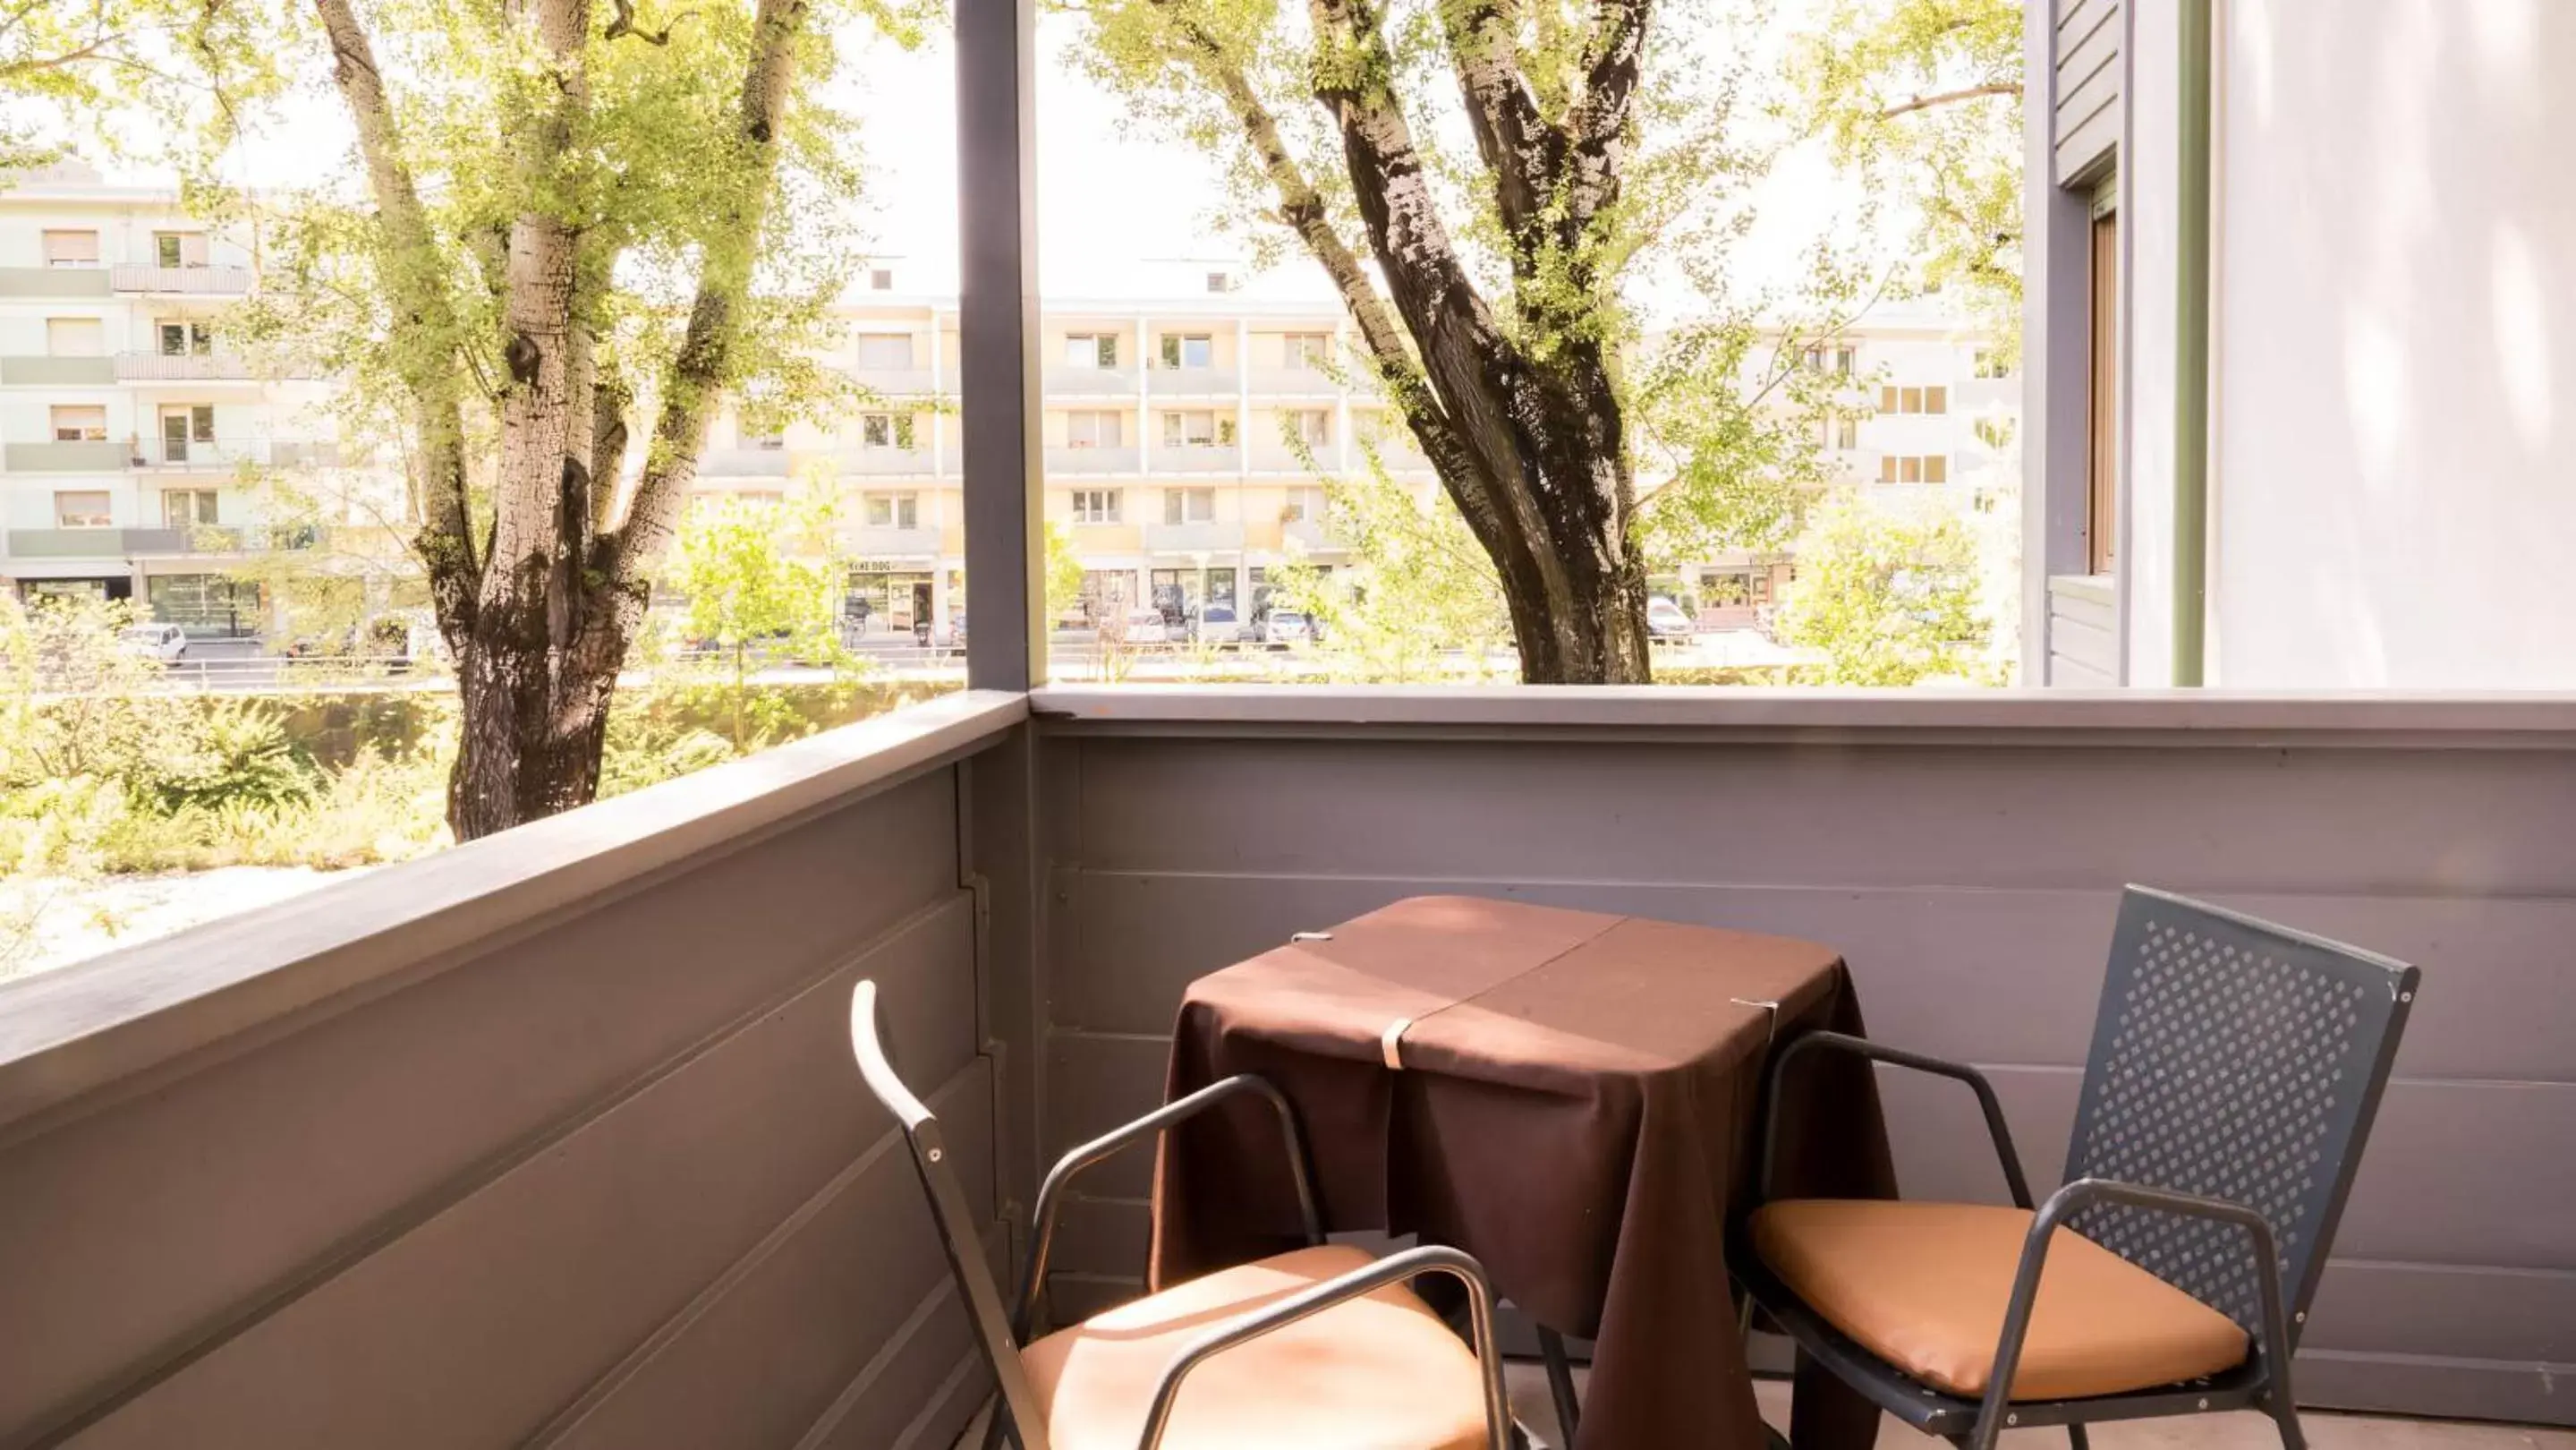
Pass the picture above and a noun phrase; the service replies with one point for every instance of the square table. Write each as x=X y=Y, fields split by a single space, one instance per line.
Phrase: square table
x=1569 y=1096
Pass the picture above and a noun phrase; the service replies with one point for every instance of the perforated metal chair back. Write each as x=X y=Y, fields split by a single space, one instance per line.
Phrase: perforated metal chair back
x=2237 y=1060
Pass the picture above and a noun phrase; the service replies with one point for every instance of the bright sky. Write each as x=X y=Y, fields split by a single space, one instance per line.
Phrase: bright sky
x=1112 y=203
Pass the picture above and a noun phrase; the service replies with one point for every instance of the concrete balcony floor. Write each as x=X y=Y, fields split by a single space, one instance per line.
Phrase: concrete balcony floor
x=2238 y=1431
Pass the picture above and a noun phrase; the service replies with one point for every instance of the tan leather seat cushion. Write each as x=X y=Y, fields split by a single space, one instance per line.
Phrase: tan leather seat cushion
x=1924 y=1286
x=1380 y=1373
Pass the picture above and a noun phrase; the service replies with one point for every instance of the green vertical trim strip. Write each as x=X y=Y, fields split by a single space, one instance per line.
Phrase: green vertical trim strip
x=2191 y=354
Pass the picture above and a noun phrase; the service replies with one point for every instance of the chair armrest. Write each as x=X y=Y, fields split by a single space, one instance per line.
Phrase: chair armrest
x=1393 y=1269
x=1145 y=1129
x=2273 y=1342
x=2000 y=1131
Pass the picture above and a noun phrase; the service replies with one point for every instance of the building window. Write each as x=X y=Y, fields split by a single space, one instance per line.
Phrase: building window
x=1105 y=591
x=880 y=279
x=1189 y=505
x=187 y=339
x=86 y=509
x=1303 y=506
x=2102 y=390
x=1094 y=428
x=1936 y=400
x=885 y=430
x=1913 y=400
x=188 y=508
x=885 y=351
x=71 y=248
x=75 y=337
x=1095 y=505
x=1840 y=359
x=183 y=425
x=1197 y=428
x=1312 y=427
x=1220 y=281
x=1091 y=350
x=1846 y=432
x=80 y=422
x=1188 y=350
x=1991 y=365
x=1306 y=351
x=894 y=511
x=764 y=442
x=1914 y=468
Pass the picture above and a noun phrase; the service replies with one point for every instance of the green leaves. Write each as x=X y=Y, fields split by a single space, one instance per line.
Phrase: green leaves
x=1886 y=595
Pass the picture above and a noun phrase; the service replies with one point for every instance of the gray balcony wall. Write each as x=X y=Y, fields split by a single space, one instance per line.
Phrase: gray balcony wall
x=186 y=281
x=1203 y=538
x=1091 y=382
x=550 y=1140
x=1196 y=382
x=68 y=543
x=1969 y=871
x=88 y=455
x=1067 y=460
x=53 y=282
x=60 y=372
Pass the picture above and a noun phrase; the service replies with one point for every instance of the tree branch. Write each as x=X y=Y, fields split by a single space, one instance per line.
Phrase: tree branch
x=1945 y=98
x=1522 y=151
x=1597 y=130
x=407 y=257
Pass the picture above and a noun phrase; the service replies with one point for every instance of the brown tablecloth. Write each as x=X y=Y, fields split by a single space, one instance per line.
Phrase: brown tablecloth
x=1576 y=1105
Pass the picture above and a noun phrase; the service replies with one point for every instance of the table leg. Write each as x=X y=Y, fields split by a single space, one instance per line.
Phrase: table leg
x=1560 y=1382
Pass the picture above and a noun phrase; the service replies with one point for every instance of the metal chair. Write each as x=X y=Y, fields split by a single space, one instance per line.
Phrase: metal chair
x=2235 y=1070
x=1119 y=1378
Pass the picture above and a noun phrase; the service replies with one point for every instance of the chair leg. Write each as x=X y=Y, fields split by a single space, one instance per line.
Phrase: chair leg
x=1560 y=1383
x=993 y=1425
x=2286 y=1415
x=2076 y=1434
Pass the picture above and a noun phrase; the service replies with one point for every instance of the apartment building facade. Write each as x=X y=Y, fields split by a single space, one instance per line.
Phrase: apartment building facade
x=130 y=430
x=1189 y=425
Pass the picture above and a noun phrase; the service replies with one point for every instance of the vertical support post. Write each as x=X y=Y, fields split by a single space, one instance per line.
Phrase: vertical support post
x=2191 y=353
x=998 y=342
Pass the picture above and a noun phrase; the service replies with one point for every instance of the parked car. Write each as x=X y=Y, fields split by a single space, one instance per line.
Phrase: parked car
x=1288 y=626
x=165 y=643
x=1216 y=624
x=1146 y=626
x=1665 y=621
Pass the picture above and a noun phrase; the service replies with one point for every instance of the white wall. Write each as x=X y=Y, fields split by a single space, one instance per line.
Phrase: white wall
x=2152 y=237
x=2394 y=501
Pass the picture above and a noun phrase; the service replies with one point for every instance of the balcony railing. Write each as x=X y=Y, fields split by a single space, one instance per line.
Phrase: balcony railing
x=884 y=462
x=1273 y=456
x=220 y=454
x=898 y=382
x=1091 y=382
x=536 y=1010
x=191 y=281
x=1198 y=458
x=67 y=372
x=1201 y=538
x=1196 y=382
x=744 y=463
x=1308 y=534
x=1294 y=383
x=182 y=367
x=126 y=543
x=53 y=282
x=1064 y=460
x=85 y=455
x=876 y=541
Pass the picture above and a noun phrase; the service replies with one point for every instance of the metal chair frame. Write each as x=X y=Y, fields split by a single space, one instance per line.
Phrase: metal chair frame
x=2263 y=1381
x=1000 y=1330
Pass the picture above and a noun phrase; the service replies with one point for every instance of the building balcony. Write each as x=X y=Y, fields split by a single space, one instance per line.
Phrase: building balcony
x=87 y=455
x=153 y=367
x=886 y=542
x=1214 y=537
x=425 y=1158
x=744 y=463
x=1195 y=382
x=898 y=382
x=1077 y=462
x=884 y=462
x=1273 y=456
x=1294 y=383
x=219 y=455
x=1198 y=458
x=1091 y=382
x=58 y=372
x=180 y=281
x=1306 y=534
x=53 y=282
